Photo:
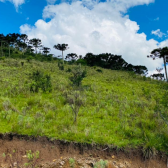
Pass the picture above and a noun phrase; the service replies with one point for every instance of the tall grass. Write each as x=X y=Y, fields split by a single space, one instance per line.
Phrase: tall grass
x=120 y=108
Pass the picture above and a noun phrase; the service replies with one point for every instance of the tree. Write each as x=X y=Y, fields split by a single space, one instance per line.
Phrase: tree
x=72 y=56
x=46 y=50
x=9 y=40
x=23 y=42
x=160 y=53
x=78 y=75
x=36 y=43
x=159 y=75
x=61 y=47
x=30 y=49
x=2 y=38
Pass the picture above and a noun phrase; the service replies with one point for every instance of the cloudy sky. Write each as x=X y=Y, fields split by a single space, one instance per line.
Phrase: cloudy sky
x=131 y=28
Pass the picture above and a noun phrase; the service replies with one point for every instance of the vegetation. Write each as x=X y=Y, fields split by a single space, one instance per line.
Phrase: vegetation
x=117 y=108
x=96 y=99
x=160 y=53
x=72 y=162
x=15 y=159
x=101 y=164
x=19 y=46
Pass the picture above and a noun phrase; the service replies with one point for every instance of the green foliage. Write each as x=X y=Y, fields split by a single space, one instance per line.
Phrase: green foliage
x=148 y=152
x=29 y=58
x=40 y=81
x=68 y=70
x=32 y=158
x=2 y=58
x=113 y=107
x=101 y=164
x=60 y=66
x=75 y=100
x=78 y=75
x=12 y=157
x=99 y=70
x=81 y=61
x=72 y=162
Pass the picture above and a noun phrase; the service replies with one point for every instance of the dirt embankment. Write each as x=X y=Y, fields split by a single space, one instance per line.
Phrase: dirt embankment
x=61 y=154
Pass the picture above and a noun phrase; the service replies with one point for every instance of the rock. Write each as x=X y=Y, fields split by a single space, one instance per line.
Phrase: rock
x=121 y=165
x=127 y=164
x=62 y=163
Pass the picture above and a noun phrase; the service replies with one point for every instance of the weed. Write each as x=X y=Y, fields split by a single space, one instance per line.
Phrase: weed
x=72 y=162
x=75 y=101
x=148 y=152
x=99 y=70
x=12 y=157
x=78 y=75
x=32 y=159
x=60 y=66
x=40 y=81
x=69 y=70
x=101 y=164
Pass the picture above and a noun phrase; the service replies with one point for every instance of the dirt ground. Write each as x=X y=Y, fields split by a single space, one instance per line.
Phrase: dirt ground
x=61 y=154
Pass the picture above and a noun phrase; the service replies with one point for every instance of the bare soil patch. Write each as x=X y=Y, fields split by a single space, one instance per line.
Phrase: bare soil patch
x=62 y=154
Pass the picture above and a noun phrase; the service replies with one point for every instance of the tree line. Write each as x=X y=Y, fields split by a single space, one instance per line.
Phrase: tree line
x=33 y=49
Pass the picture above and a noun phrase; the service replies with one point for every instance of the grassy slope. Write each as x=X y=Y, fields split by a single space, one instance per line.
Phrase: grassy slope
x=119 y=107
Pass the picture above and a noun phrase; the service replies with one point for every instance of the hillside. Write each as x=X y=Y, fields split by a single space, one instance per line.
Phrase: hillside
x=117 y=108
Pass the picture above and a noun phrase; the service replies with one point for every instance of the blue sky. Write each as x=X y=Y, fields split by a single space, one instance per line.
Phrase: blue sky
x=131 y=28
x=149 y=17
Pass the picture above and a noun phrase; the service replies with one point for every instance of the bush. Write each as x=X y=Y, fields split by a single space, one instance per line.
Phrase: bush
x=40 y=81
x=81 y=61
x=99 y=70
x=2 y=58
x=60 y=66
x=78 y=75
x=29 y=58
x=69 y=70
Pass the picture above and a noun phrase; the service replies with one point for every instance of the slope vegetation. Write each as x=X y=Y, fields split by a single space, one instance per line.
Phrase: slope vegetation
x=116 y=108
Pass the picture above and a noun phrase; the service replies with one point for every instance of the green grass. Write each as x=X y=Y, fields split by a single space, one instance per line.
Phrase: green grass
x=119 y=109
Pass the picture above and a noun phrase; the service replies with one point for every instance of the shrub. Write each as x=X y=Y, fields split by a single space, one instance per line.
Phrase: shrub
x=78 y=75
x=40 y=81
x=29 y=58
x=99 y=70
x=81 y=61
x=69 y=70
x=72 y=162
x=60 y=66
x=75 y=100
x=2 y=58
x=101 y=164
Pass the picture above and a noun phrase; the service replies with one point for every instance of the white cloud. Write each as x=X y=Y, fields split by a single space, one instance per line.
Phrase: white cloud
x=17 y=3
x=102 y=29
x=158 y=33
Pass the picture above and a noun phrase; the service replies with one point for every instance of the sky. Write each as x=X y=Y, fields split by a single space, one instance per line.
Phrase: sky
x=131 y=28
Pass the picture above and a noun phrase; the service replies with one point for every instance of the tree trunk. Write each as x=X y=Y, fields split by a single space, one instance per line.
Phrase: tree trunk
x=75 y=118
x=62 y=58
x=165 y=67
x=1 y=49
x=9 y=50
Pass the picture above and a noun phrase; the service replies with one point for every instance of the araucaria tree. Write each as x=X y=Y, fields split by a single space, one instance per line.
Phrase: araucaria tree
x=61 y=47
x=36 y=43
x=160 y=53
x=46 y=50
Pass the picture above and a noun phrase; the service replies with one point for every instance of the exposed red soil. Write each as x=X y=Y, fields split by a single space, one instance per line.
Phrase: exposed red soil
x=57 y=154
